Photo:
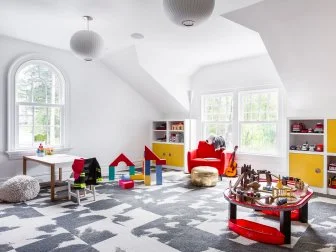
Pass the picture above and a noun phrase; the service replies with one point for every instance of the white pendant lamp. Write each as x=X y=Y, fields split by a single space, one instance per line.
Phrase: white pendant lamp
x=188 y=12
x=87 y=44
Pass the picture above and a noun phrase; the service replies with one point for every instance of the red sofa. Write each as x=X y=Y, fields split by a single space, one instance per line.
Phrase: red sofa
x=205 y=155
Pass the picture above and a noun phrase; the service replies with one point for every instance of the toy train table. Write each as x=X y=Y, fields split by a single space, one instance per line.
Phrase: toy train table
x=285 y=197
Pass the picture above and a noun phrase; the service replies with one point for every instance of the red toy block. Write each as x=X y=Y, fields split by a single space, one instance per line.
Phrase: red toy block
x=150 y=155
x=126 y=184
x=122 y=158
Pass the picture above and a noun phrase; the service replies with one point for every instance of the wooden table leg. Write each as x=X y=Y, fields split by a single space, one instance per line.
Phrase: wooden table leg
x=52 y=182
x=60 y=174
x=232 y=211
x=24 y=167
x=303 y=213
x=285 y=225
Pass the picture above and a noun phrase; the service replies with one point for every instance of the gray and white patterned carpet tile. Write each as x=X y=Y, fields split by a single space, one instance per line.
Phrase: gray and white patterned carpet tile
x=173 y=217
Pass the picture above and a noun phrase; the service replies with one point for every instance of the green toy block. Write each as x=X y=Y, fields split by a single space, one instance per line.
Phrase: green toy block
x=132 y=170
x=111 y=173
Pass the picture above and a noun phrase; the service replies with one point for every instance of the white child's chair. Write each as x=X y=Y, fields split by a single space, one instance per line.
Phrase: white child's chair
x=88 y=189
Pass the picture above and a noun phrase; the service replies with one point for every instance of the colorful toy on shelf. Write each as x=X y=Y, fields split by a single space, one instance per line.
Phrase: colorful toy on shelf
x=319 y=147
x=332 y=182
x=177 y=126
x=40 y=151
x=298 y=127
x=332 y=167
x=318 y=128
x=312 y=147
x=292 y=147
x=305 y=147
x=161 y=127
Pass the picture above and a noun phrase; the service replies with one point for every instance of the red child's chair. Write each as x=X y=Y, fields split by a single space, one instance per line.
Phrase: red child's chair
x=205 y=155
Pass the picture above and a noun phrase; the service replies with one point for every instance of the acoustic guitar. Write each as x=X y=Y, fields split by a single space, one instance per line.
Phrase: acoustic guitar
x=231 y=170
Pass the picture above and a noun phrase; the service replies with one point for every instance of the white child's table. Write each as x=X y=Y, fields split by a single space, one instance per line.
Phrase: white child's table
x=52 y=161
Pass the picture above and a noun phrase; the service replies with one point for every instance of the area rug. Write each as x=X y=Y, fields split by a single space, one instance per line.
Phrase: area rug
x=175 y=216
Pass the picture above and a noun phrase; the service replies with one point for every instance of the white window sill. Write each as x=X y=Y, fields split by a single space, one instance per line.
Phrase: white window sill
x=18 y=154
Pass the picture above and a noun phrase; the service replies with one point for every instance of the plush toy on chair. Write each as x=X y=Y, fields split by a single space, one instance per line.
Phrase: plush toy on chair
x=19 y=189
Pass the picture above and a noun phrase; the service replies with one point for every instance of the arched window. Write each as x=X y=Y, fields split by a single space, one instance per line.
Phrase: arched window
x=37 y=105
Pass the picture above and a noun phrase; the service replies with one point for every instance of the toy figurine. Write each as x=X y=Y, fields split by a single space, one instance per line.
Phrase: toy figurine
x=312 y=147
x=40 y=151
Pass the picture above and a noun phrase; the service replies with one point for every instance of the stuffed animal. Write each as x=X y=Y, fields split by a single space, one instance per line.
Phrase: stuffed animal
x=217 y=141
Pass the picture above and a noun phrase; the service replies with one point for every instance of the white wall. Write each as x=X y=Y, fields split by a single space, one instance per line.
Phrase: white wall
x=107 y=116
x=240 y=74
x=299 y=37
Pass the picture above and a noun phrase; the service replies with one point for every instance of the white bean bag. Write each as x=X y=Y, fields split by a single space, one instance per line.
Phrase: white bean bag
x=19 y=188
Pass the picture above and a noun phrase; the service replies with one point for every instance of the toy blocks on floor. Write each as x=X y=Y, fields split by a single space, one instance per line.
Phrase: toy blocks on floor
x=146 y=171
x=120 y=158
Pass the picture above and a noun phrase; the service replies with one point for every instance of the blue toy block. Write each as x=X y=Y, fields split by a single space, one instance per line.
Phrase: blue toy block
x=125 y=177
x=147 y=167
x=111 y=173
x=132 y=170
x=158 y=170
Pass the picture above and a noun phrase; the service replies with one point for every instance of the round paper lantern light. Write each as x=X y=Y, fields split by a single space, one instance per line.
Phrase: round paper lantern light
x=87 y=44
x=188 y=12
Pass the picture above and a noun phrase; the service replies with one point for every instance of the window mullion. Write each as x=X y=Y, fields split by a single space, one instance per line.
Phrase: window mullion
x=33 y=130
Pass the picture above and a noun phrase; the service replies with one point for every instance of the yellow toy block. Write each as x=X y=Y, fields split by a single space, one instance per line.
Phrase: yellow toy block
x=137 y=177
x=148 y=180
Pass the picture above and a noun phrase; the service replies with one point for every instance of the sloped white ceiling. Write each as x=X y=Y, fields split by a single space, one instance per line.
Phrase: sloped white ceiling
x=300 y=37
x=124 y=63
x=169 y=54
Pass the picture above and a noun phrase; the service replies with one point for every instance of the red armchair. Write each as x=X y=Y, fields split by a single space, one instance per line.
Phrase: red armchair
x=205 y=155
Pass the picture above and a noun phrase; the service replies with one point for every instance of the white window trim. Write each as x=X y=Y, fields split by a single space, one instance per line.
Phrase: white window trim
x=235 y=116
x=12 y=152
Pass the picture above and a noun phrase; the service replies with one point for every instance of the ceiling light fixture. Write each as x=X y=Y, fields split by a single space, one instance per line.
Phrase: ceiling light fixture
x=87 y=44
x=188 y=12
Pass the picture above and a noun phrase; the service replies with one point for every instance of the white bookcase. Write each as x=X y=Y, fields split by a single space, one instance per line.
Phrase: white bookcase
x=172 y=139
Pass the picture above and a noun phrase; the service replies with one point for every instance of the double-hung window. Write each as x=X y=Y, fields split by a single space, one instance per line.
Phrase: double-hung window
x=217 y=116
x=37 y=106
x=258 y=121
x=249 y=119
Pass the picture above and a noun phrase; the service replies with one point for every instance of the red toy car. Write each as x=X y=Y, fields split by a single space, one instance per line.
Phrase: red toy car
x=298 y=127
x=318 y=128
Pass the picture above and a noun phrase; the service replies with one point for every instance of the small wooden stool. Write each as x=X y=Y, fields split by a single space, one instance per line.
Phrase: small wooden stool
x=204 y=176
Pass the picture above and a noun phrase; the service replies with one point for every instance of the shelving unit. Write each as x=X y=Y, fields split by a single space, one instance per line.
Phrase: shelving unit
x=312 y=166
x=172 y=139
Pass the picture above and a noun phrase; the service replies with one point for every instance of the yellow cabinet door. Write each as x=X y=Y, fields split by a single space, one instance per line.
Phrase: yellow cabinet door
x=175 y=155
x=162 y=151
x=307 y=167
x=331 y=136
x=158 y=149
